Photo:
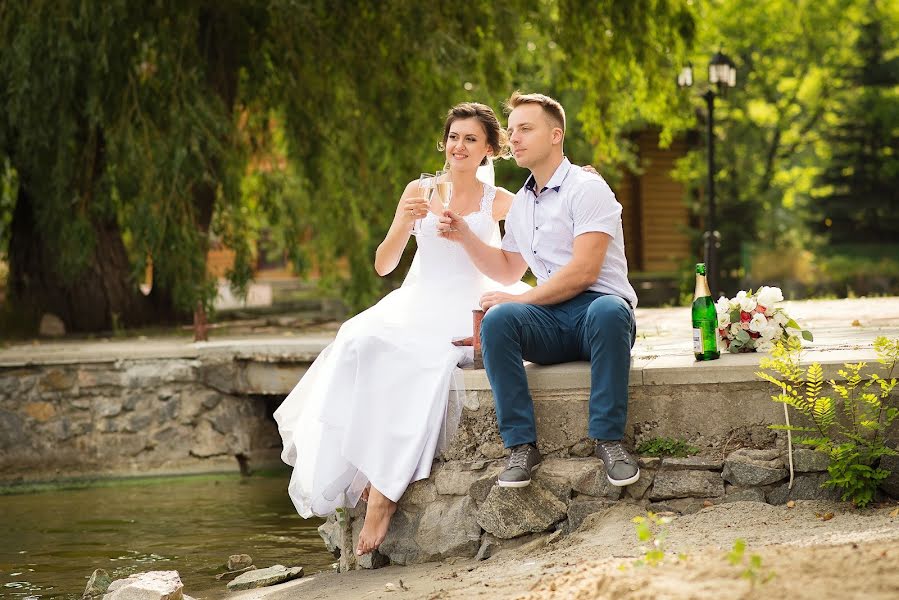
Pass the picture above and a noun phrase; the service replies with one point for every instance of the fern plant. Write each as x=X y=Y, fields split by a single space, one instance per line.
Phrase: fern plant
x=852 y=426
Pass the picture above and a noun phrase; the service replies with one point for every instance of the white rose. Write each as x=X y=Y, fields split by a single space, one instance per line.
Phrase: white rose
x=722 y=305
x=772 y=331
x=758 y=323
x=769 y=296
x=747 y=303
x=780 y=317
x=723 y=319
x=735 y=329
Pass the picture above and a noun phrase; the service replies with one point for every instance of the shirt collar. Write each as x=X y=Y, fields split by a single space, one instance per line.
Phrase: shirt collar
x=555 y=182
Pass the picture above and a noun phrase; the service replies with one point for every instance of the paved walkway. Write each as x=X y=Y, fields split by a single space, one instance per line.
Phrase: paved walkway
x=844 y=331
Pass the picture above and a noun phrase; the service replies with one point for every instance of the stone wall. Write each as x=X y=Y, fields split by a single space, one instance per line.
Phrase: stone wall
x=125 y=418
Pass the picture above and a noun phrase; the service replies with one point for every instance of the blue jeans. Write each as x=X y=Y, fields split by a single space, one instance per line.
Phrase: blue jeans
x=591 y=326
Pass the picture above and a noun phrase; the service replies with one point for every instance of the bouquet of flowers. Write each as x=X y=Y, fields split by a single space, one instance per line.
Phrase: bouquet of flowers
x=751 y=322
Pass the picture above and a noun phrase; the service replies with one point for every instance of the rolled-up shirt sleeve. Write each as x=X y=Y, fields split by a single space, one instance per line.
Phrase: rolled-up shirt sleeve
x=594 y=209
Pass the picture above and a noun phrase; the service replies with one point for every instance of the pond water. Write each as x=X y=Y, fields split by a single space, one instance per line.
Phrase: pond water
x=51 y=541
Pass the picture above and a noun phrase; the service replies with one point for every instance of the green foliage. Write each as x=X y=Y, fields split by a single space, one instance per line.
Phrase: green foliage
x=859 y=187
x=651 y=532
x=752 y=563
x=294 y=123
x=851 y=428
x=666 y=447
x=771 y=130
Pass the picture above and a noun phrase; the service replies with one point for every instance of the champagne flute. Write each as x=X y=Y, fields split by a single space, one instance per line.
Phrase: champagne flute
x=443 y=188
x=425 y=190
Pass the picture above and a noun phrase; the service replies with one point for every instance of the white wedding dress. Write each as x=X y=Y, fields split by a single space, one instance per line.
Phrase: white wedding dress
x=379 y=400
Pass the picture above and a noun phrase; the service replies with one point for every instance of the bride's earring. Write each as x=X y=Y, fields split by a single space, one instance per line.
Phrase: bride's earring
x=441 y=146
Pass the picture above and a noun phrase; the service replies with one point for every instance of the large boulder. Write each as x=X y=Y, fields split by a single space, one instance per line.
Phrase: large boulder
x=805 y=487
x=446 y=527
x=152 y=585
x=686 y=484
x=747 y=467
x=264 y=577
x=510 y=512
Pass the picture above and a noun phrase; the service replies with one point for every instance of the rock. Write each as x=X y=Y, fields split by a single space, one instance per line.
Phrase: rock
x=683 y=506
x=482 y=486
x=583 y=448
x=446 y=527
x=106 y=407
x=637 y=490
x=593 y=482
x=649 y=462
x=806 y=460
x=97 y=585
x=510 y=512
x=152 y=585
x=692 y=463
x=239 y=561
x=422 y=491
x=372 y=560
x=264 y=577
x=492 y=450
x=330 y=534
x=450 y=529
x=452 y=482
x=749 y=468
x=805 y=487
x=58 y=380
x=890 y=485
x=208 y=442
x=490 y=544
x=681 y=484
x=51 y=326
x=747 y=495
x=584 y=506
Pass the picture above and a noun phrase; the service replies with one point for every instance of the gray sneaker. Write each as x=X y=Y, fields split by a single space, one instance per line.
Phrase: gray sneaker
x=518 y=470
x=621 y=467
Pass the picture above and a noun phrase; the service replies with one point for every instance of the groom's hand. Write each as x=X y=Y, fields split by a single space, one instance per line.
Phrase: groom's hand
x=452 y=227
x=491 y=299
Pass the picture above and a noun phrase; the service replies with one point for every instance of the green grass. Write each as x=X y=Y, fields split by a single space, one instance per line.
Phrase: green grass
x=666 y=447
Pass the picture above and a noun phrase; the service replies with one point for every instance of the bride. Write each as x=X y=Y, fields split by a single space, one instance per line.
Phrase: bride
x=372 y=411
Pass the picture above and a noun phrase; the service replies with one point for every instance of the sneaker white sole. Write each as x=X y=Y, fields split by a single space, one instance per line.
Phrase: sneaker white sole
x=513 y=484
x=624 y=482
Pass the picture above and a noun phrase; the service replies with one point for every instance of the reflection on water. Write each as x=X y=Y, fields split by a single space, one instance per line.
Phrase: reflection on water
x=50 y=542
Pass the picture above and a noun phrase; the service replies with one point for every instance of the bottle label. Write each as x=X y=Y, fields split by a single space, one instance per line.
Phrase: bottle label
x=705 y=337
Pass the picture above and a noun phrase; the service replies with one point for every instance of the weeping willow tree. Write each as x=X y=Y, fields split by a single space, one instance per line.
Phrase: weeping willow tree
x=138 y=132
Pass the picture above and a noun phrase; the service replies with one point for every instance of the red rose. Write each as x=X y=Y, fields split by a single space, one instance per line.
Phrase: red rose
x=755 y=335
x=745 y=316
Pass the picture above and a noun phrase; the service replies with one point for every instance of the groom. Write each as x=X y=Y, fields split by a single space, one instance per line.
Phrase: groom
x=565 y=225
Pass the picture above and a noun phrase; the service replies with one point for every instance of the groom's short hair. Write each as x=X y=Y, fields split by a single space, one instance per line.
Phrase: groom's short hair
x=551 y=107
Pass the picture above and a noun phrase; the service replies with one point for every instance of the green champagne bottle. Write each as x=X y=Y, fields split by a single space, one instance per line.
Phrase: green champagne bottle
x=705 y=319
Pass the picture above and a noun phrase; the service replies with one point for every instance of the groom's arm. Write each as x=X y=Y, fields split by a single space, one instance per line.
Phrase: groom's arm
x=497 y=264
x=580 y=273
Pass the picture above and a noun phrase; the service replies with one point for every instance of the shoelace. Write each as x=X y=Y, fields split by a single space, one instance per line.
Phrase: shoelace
x=615 y=451
x=519 y=457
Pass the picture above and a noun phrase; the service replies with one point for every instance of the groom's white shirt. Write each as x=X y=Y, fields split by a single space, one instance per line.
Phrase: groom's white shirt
x=542 y=226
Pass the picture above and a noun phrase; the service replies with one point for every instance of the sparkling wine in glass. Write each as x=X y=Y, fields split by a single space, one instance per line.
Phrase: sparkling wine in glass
x=425 y=190
x=443 y=188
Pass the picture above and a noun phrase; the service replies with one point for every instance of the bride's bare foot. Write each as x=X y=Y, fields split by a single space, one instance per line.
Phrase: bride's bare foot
x=365 y=493
x=377 y=520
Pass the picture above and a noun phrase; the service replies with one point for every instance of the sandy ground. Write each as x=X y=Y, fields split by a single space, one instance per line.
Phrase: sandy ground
x=854 y=554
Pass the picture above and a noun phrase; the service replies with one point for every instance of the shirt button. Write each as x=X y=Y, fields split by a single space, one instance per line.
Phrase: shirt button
x=536 y=228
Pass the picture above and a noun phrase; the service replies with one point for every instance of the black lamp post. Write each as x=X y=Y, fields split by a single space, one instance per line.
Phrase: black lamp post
x=723 y=74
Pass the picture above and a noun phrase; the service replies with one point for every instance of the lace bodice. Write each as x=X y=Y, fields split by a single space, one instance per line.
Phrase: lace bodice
x=446 y=261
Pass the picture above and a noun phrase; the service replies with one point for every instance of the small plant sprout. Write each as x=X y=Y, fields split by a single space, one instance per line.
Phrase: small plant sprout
x=651 y=532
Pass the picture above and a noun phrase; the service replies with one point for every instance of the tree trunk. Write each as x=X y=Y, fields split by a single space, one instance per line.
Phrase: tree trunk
x=102 y=298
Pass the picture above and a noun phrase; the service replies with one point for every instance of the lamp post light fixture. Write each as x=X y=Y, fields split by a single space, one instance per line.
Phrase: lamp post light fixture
x=723 y=74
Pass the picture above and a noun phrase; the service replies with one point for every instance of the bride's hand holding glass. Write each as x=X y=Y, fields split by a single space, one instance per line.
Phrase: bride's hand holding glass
x=417 y=207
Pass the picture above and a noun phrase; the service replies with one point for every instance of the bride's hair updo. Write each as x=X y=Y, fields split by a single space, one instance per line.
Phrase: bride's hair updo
x=496 y=135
